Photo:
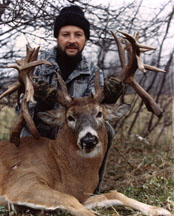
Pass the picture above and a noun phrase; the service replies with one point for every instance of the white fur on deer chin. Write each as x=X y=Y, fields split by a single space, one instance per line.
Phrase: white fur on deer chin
x=93 y=153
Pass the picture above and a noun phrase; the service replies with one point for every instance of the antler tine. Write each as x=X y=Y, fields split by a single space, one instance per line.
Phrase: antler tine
x=99 y=91
x=24 y=61
x=29 y=53
x=153 y=68
x=62 y=96
x=16 y=129
x=120 y=50
x=137 y=35
x=151 y=105
x=34 y=55
x=12 y=88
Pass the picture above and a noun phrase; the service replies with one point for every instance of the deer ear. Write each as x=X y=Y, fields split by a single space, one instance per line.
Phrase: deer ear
x=114 y=112
x=53 y=117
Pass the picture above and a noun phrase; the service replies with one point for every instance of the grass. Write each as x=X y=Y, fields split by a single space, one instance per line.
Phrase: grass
x=7 y=119
x=141 y=171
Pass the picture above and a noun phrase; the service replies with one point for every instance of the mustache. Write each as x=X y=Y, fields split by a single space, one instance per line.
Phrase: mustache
x=72 y=46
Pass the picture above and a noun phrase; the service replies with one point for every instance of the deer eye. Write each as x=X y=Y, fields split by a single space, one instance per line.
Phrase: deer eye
x=71 y=119
x=99 y=114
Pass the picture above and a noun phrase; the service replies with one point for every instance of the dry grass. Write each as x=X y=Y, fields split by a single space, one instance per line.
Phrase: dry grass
x=141 y=171
x=7 y=119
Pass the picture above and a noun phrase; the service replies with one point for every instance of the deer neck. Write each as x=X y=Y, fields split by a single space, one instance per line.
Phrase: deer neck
x=77 y=173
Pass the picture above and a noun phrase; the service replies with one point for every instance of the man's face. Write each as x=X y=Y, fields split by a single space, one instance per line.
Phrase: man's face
x=71 y=40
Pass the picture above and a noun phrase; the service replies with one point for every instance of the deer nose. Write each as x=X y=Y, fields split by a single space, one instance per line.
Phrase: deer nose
x=89 y=141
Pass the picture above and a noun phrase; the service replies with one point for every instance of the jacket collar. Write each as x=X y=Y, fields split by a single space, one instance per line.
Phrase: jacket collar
x=82 y=68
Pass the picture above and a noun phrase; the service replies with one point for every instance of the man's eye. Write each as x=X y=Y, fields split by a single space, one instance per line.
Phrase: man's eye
x=65 y=35
x=78 y=35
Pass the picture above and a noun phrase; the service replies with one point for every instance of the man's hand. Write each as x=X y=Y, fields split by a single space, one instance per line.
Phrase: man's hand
x=45 y=95
x=113 y=88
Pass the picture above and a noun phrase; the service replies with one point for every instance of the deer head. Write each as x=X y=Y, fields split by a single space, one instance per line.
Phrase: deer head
x=84 y=116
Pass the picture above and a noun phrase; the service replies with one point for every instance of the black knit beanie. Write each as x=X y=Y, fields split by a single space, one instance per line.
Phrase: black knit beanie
x=72 y=15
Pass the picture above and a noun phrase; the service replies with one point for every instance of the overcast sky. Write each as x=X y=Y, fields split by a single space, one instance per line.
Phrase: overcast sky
x=151 y=3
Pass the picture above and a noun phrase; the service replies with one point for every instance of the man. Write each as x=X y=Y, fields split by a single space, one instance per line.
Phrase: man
x=72 y=31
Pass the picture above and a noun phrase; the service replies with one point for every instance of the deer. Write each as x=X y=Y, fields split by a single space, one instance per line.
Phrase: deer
x=63 y=173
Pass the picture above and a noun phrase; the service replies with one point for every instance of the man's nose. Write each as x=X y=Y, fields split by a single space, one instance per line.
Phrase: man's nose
x=72 y=39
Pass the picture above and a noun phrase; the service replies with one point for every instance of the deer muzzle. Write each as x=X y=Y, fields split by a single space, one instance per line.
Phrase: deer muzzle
x=89 y=141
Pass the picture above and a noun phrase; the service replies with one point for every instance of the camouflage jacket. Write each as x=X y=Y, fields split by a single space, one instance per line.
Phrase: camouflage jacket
x=79 y=83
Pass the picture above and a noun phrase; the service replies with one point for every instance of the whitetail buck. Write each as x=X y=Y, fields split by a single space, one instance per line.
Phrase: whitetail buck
x=63 y=173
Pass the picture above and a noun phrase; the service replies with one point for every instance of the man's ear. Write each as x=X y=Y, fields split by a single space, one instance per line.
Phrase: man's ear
x=113 y=113
x=53 y=117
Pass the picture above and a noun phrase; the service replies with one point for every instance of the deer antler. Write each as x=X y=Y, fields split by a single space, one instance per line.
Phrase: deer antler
x=99 y=91
x=135 y=62
x=62 y=96
x=25 y=67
